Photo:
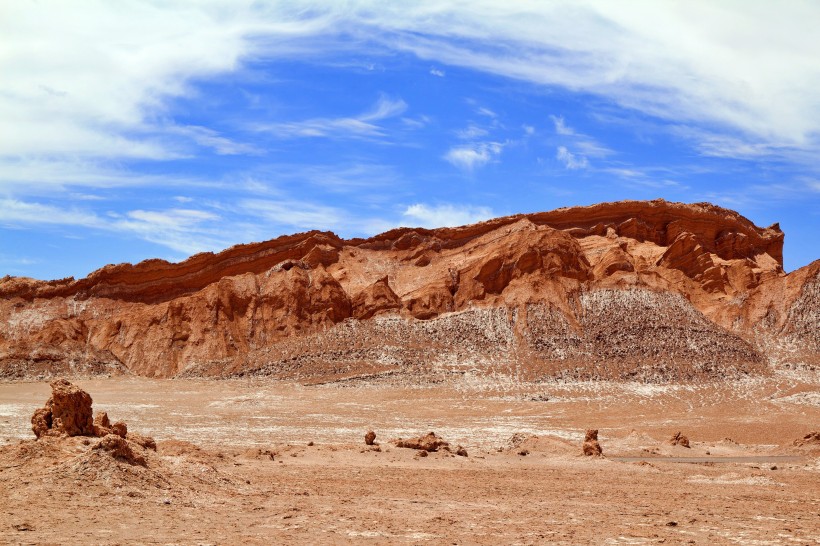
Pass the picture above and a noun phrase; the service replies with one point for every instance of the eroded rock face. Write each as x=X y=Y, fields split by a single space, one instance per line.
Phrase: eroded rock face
x=591 y=446
x=514 y=291
x=375 y=299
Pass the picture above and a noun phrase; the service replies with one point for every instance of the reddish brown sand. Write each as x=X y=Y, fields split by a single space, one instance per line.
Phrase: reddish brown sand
x=233 y=464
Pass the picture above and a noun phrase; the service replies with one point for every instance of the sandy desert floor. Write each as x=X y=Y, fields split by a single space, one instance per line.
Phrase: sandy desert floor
x=254 y=462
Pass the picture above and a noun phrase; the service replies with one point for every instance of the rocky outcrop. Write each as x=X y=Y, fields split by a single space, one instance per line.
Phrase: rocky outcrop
x=591 y=447
x=375 y=299
x=649 y=291
x=68 y=412
x=688 y=256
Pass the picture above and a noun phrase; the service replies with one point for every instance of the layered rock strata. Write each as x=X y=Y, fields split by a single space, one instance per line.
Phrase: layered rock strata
x=651 y=291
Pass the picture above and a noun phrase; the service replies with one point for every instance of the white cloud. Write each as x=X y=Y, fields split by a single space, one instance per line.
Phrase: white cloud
x=571 y=161
x=276 y=216
x=437 y=72
x=16 y=212
x=561 y=127
x=97 y=81
x=92 y=81
x=591 y=148
x=693 y=62
x=363 y=125
x=208 y=138
x=483 y=111
x=292 y=213
x=472 y=132
x=587 y=145
x=417 y=122
x=471 y=156
x=183 y=230
x=446 y=215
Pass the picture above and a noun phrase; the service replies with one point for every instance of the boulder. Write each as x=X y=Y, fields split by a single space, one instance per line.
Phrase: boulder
x=370 y=438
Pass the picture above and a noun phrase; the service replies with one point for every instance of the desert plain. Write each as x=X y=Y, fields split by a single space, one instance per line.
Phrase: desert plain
x=258 y=461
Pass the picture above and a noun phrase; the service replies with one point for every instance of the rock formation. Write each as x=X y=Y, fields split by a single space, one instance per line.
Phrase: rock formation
x=591 y=446
x=650 y=291
x=428 y=443
x=679 y=439
x=68 y=412
x=810 y=440
x=370 y=438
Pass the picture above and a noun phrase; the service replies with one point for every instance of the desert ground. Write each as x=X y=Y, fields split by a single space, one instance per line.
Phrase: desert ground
x=257 y=461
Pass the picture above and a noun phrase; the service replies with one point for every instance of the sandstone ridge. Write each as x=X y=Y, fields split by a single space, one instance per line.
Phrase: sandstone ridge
x=652 y=291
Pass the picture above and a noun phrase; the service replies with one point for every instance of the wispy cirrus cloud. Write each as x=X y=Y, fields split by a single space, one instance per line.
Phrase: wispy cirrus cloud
x=445 y=215
x=570 y=160
x=183 y=230
x=98 y=89
x=360 y=126
x=209 y=138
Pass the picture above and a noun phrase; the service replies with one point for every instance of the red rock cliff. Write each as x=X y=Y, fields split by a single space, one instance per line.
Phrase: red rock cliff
x=647 y=290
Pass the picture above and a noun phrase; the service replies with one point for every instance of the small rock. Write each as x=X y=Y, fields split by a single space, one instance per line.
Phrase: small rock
x=421 y=453
x=461 y=452
x=370 y=437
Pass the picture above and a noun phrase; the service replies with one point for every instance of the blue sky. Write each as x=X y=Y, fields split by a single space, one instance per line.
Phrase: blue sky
x=133 y=130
